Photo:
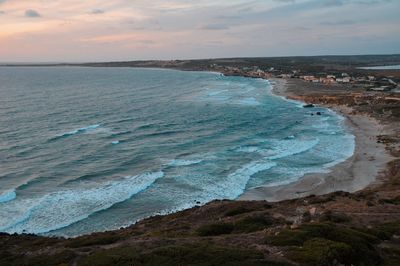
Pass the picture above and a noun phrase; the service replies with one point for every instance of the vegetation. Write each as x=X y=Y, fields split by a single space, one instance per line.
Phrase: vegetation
x=346 y=245
x=93 y=241
x=215 y=229
x=194 y=254
x=319 y=251
x=253 y=223
x=237 y=211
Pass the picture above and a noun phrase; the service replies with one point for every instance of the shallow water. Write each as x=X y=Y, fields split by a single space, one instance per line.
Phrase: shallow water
x=94 y=149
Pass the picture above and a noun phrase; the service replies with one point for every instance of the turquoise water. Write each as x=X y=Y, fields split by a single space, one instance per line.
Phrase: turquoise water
x=94 y=149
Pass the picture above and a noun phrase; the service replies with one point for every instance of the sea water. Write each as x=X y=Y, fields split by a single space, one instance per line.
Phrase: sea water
x=94 y=149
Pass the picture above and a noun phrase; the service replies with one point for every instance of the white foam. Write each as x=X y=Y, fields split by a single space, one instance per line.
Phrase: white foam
x=115 y=142
x=7 y=196
x=60 y=209
x=236 y=182
x=80 y=130
x=288 y=147
x=181 y=162
x=248 y=149
x=249 y=101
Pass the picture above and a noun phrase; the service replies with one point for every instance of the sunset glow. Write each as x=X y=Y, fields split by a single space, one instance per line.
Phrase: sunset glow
x=98 y=30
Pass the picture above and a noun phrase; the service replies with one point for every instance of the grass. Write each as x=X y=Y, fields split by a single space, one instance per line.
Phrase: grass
x=93 y=241
x=245 y=225
x=362 y=249
x=191 y=254
x=253 y=223
x=62 y=258
x=317 y=251
x=215 y=229
x=237 y=211
x=335 y=217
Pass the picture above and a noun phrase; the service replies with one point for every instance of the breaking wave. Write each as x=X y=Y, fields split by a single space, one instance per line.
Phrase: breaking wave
x=63 y=208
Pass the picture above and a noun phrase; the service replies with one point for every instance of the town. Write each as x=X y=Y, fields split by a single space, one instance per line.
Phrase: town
x=357 y=79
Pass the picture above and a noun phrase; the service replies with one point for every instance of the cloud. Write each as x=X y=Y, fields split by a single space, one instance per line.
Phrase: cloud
x=30 y=13
x=2 y=12
x=284 y=1
x=338 y=23
x=79 y=30
x=97 y=11
x=334 y=2
x=215 y=27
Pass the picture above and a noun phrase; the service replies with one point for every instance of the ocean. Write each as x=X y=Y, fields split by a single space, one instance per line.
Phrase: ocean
x=93 y=149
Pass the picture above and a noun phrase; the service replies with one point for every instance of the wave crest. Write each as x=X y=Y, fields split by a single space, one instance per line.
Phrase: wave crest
x=76 y=131
x=7 y=196
x=63 y=208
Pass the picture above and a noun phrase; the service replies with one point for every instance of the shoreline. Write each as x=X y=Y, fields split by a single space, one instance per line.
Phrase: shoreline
x=364 y=168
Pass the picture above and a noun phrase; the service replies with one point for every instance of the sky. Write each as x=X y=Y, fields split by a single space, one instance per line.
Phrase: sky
x=122 y=30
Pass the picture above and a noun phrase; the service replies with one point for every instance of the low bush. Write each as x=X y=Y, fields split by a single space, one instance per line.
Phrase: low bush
x=335 y=217
x=191 y=254
x=319 y=251
x=237 y=211
x=62 y=258
x=93 y=241
x=361 y=243
x=215 y=229
x=253 y=223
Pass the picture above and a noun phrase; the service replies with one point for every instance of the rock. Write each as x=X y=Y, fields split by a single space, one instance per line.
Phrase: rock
x=294 y=226
x=312 y=211
x=319 y=113
x=308 y=105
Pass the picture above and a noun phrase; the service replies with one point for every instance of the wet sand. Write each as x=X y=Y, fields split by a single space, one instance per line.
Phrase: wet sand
x=363 y=169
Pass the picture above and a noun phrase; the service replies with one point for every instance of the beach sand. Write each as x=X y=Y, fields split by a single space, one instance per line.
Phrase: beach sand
x=364 y=168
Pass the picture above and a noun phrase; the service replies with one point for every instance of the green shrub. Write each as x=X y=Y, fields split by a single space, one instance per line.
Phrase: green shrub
x=319 y=251
x=361 y=243
x=190 y=254
x=384 y=231
x=391 y=256
x=62 y=258
x=237 y=211
x=93 y=241
x=253 y=223
x=335 y=217
x=215 y=229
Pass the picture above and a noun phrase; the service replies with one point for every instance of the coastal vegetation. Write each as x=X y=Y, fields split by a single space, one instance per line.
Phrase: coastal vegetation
x=278 y=235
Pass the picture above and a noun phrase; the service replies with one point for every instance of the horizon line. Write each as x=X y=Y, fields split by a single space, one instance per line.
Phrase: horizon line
x=189 y=59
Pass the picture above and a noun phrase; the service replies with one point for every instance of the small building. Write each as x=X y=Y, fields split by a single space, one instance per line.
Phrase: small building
x=309 y=78
x=327 y=80
x=343 y=80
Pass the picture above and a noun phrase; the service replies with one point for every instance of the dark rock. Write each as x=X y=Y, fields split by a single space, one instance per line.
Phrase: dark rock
x=308 y=105
x=319 y=113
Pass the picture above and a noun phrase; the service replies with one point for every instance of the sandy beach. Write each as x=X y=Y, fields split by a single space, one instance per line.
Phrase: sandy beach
x=365 y=168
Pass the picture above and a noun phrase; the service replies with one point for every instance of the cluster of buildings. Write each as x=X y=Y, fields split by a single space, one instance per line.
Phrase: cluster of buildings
x=370 y=83
x=328 y=79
